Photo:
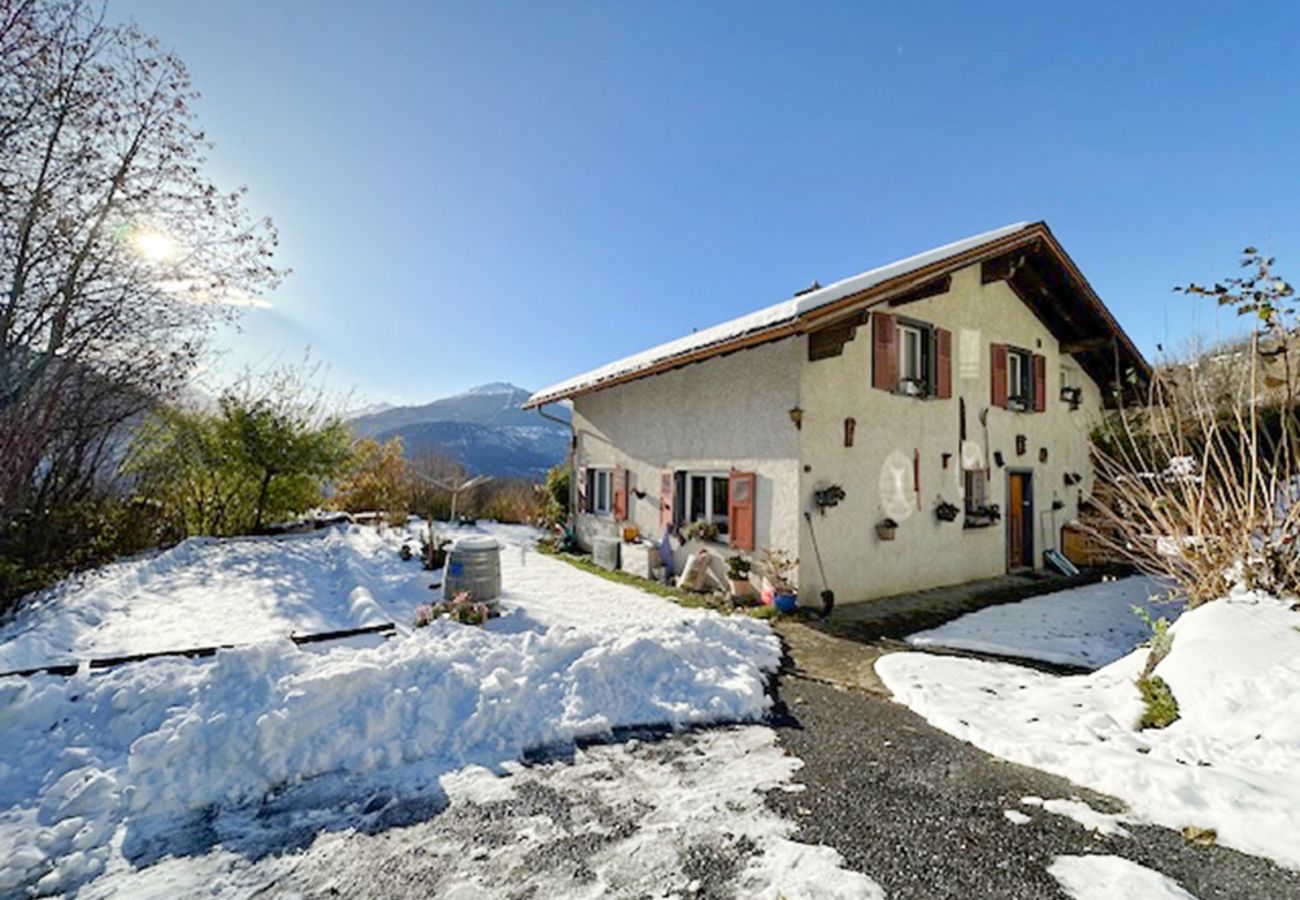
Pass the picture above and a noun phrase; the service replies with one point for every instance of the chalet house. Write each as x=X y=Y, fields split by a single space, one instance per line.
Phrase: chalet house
x=926 y=421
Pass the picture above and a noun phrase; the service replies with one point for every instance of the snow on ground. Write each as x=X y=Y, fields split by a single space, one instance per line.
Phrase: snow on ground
x=680 y=817
x=1230 y=763
x=1100 y=822
x=1087 y=627
x=206 y=591
x=101 y=766
x=1113 y=878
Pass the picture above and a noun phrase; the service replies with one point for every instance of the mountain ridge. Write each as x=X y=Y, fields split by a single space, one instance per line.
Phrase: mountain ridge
x=484 y=428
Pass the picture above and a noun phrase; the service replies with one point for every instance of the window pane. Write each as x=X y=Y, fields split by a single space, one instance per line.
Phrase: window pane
x=699 y=495
x=720 y=503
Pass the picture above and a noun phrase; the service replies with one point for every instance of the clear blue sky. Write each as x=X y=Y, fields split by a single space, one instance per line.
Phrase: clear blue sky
x=475 y=192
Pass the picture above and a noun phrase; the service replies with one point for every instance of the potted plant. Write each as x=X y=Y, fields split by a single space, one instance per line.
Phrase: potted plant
x=738 y=569
x=946 y=512
x=700 y=531
x=886 y=529
x=779 y=568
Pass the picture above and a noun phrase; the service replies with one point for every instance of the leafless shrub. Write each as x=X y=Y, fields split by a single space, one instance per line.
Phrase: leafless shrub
x=1199 y=484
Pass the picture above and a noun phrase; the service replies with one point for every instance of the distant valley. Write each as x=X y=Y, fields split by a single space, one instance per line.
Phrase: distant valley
x=483 y=428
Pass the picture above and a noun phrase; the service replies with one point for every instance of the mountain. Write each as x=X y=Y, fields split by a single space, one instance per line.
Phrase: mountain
x=484 y=428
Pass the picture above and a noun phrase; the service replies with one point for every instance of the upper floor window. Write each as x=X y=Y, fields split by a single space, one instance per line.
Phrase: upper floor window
x=914 y=359
x=1020 y=378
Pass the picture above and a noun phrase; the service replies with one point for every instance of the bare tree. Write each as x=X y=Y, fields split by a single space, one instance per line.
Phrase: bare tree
x=117 y=255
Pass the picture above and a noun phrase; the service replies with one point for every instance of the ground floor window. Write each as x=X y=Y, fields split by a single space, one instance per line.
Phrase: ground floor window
x=600 y=491
x=706 y=498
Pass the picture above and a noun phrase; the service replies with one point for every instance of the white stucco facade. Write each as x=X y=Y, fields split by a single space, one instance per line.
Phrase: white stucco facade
x=733 y=412
x=898 y=438
x=727 y=412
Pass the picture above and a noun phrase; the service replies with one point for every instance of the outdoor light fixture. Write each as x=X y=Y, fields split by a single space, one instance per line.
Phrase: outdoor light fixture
x=796 y=416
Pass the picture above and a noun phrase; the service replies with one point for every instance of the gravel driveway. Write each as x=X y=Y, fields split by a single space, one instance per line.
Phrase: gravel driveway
x=924 y=813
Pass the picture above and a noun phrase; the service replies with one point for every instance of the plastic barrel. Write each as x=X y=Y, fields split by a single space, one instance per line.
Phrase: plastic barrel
x=473 y=565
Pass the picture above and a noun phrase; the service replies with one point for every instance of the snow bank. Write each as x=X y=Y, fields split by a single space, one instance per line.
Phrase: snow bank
x=1113 y=878
x=1086 y=627
x=1230 y=763
x=144 y=746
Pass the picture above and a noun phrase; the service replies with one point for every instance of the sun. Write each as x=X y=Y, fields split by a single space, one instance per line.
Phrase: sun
x=154 y=246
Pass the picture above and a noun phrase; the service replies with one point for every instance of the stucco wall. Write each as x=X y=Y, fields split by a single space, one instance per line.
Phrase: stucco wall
x=726 y=412
x=890 y=428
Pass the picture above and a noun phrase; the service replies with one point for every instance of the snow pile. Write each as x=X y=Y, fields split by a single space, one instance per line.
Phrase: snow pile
x=1086 y=627
x=146 y=745
x=1230 y=763
x=781 y=313
x=208 y=592
x=1112 y=878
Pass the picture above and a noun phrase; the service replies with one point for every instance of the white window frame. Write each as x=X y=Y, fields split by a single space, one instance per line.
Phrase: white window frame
x=1020 y=378
x=917 y=380
x=600 y=501
x=720 y=518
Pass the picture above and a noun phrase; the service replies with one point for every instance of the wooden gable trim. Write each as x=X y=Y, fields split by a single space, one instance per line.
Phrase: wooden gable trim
x=828 y=340
x=933 y=288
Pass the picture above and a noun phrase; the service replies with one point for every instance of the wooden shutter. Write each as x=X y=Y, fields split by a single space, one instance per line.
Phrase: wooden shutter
x=1040 y=383
x=620 y=494
x=582 y=490
x=884 y=352
x=740 y=509
x=667 y=483
x=998 y=356
x=942 y=363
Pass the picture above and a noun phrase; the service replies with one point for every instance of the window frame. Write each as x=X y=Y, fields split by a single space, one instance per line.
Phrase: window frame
x=1022 y=360
x=595 y=506
x=721 y=519
x=926 y=353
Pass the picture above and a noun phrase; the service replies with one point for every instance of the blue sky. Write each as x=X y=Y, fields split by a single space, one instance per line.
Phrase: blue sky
x=476 y=192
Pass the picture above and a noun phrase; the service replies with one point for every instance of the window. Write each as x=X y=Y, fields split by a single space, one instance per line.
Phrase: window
x=706 y=498
x=914 y=343
x=1020 y=378
x=600 y=491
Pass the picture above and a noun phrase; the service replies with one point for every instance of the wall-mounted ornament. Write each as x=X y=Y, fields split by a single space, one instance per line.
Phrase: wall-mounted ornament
x=1022 y=445
x=825 y=498
x=849 y=425
x=886 y=529
x=945 y=511
x=1042 y=454
x=796 y=416
x=997 y=458
x=947 y=458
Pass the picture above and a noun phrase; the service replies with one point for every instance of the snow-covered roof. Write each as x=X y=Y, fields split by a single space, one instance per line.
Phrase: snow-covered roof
x=768 y=318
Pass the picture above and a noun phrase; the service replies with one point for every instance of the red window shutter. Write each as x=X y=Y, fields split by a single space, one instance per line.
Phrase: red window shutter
x=620 y=494
x=740 y=509
x=582 y=490
x=943 y=363
x=666 y=499
x=1040 y=383
x=998 y=355
x=884 y=352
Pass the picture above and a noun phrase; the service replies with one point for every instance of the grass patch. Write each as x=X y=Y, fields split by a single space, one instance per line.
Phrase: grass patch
x=1161 y=708
x=717 y=602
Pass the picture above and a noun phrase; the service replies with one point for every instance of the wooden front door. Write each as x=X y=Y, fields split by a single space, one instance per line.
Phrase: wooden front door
x=1020 y=520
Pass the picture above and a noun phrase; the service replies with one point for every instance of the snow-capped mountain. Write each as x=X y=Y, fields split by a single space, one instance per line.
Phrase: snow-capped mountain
x=484 y=428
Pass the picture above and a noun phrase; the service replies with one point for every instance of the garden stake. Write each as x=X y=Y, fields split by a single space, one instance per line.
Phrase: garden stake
x=828 y=596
